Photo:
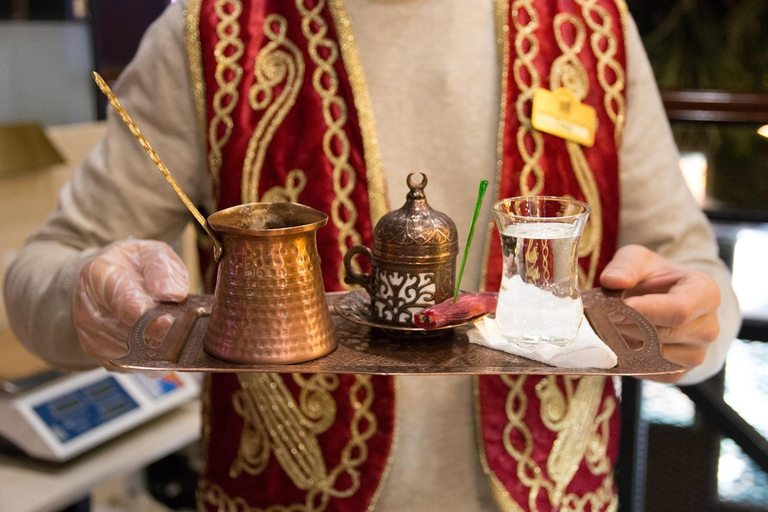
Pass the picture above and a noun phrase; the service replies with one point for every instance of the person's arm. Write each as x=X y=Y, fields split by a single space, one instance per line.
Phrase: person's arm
x=116 y=194
x=684 y=288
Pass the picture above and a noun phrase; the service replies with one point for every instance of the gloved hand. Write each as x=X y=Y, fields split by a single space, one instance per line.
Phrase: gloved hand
x=116 y=286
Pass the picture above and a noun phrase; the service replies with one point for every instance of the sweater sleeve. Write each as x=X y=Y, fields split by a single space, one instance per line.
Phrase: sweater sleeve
x=657 y=209
x=116 y=193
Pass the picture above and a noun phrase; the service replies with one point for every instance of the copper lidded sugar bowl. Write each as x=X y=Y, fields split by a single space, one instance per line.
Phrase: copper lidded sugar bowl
x=413 y=260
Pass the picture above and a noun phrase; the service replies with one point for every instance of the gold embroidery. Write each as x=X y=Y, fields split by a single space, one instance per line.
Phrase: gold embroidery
x=267 y=406
x=228 y=50
x=501 y=12
x=602 y=497
x=528 y=472
x=572 y=418
x=623 y=9
x=621 y=5
x=570 y=413
x=377 y=190
x=195 y=62
x=254 y=450
x=294 y=185
x=591 y=239
x=526 y=50
x=568 y=71
x=336 y=145
x=273 y=66
x=290 y=429
x=597 y=448
x=500 y=494
x=613 y=100
x=316 y=401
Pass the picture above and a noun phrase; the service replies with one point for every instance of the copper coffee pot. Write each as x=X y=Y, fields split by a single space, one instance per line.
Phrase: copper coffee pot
x=269 y=302
x=270 y=305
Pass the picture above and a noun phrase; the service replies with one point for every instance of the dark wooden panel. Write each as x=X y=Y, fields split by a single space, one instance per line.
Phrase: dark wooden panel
x=716 y=106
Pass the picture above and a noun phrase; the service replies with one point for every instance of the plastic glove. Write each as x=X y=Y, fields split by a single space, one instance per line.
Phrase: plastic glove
x=116 y=286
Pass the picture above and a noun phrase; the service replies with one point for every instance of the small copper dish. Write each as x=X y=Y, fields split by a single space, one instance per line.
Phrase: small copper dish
x=355 y=306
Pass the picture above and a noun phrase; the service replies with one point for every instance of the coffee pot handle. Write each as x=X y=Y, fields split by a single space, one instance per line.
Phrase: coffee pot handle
x=363 y=279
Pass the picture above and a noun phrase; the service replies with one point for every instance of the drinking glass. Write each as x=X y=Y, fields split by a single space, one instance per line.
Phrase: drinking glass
x=539 y=298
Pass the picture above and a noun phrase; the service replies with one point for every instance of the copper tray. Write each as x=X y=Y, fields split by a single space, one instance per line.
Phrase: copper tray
x=363 y=350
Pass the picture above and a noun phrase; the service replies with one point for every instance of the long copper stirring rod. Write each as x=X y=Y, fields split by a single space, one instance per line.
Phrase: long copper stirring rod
x=217 y=247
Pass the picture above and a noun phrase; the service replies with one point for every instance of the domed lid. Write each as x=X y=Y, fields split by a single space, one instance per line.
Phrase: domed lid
x=415 y=232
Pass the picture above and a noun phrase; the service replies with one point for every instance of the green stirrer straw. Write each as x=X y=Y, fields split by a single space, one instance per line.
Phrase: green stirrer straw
x=480 y=194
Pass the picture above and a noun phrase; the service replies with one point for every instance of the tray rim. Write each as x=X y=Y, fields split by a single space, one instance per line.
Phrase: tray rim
x=597 y=301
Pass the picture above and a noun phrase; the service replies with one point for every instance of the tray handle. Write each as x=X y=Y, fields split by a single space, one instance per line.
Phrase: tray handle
x=649 y=356
x=185 y=315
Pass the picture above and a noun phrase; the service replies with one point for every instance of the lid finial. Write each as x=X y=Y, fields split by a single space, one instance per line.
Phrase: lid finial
x=417 y=189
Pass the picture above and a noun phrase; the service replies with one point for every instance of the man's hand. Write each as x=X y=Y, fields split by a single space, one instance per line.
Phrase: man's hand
x=118 y=285
x=682 y=303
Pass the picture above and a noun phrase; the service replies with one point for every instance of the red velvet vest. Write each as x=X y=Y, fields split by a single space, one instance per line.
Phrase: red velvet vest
x=285 y=115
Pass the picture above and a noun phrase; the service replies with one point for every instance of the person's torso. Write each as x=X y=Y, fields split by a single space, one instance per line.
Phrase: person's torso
x=433 y=73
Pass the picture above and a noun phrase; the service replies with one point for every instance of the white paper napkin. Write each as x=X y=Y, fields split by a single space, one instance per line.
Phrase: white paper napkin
x=587 y=350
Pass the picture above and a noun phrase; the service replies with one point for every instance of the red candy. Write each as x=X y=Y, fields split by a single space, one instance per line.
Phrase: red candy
x=466 y=307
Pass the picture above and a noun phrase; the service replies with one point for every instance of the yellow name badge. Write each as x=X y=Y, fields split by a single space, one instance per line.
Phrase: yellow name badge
x=559 y=113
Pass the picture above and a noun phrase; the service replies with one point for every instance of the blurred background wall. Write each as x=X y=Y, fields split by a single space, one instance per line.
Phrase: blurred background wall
x=45 y=72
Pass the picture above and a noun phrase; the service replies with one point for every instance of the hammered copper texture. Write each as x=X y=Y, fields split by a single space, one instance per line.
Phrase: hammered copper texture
x=362 y=350
x=269 y=305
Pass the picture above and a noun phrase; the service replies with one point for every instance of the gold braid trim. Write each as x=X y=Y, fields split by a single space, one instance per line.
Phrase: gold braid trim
x=295 y=182
x=278 y=426
x=528 y=472
x=195 y=62
x=289 y=430
x=583 y=429
x=591 y=239
x=597 y=447
x=501 y=13
x=500 y=494
x=279 y=61
x=572 y=417
x=573 y=414
x=613 y=100
x=524 y=59
x=326 y=82
x=621 y=5
x=568 y=71
x=377 y=189
x=228 y=50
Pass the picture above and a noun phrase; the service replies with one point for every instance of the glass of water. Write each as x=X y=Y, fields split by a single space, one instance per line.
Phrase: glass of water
x=539 y=298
